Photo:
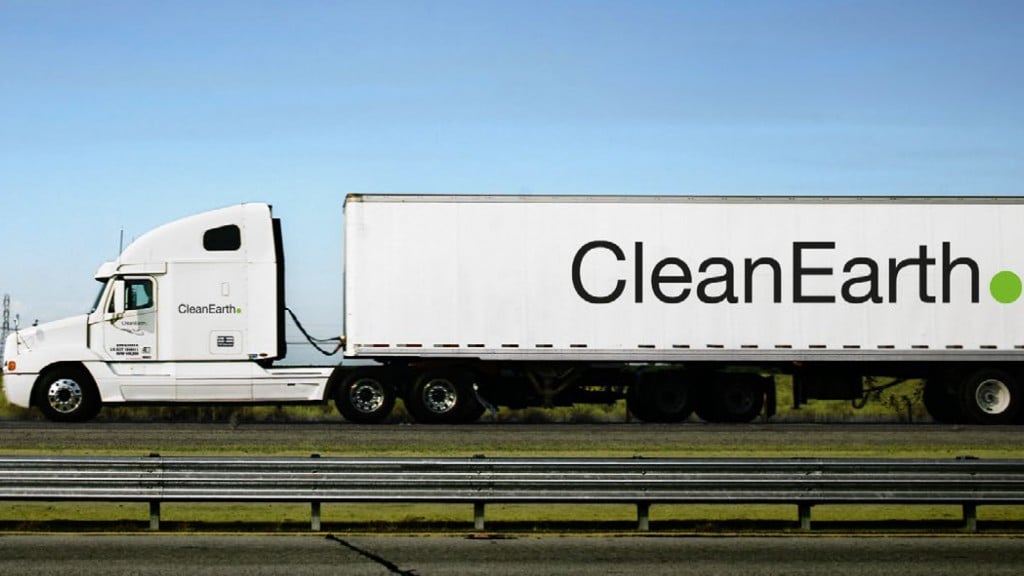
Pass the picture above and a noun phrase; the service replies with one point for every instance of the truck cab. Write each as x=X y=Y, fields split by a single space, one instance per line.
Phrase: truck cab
x=191 y=311
x=200 y=289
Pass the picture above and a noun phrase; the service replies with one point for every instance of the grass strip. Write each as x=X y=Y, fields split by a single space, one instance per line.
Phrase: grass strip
x=404 y=518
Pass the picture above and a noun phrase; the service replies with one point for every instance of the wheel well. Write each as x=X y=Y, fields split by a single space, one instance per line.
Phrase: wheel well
x=337 y=376
x=37 y=388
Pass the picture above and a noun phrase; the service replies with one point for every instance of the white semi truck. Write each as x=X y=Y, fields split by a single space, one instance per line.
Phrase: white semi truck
x=677 y=304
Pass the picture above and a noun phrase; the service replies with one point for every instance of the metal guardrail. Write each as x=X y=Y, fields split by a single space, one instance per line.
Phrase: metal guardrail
x=481 y=481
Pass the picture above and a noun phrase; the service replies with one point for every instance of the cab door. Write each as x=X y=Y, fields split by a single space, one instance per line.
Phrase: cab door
x=123 y=331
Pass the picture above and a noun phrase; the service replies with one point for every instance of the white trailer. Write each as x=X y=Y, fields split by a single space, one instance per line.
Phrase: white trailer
x=677 y=304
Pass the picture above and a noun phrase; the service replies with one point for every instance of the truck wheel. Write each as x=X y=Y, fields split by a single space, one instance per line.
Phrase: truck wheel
x=660 y=398
x=365 y=397
x=990 y=397
x=67 y=395
x=735 y=398
x=442 y=398
x=941 y=403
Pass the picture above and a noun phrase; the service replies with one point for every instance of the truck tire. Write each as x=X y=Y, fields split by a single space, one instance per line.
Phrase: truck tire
x=660 y=398
x=733 y=398
x=941 y=402
x=442 y=398
x=990 y=397
x=365 y=397
x=67 y=395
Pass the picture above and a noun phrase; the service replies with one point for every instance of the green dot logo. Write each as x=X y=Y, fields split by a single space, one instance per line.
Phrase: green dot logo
x=1005 y=287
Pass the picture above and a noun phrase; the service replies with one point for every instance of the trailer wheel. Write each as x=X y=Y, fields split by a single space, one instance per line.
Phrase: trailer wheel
x=734 y=398
x=67 y=395
x=660 y=398
x=365 y=397
x=941 y=402
x=442 y=398
x=990 y=397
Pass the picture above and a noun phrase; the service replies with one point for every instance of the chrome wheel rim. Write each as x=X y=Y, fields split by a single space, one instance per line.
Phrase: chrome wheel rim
x=992 y=396
x=366 y=395
x=64 y=396
x=439 y=396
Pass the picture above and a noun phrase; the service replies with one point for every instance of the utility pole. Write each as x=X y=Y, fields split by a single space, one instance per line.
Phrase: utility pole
x=6 y=326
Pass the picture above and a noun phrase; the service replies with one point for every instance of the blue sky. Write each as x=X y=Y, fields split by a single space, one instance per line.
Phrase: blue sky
x=126 y=114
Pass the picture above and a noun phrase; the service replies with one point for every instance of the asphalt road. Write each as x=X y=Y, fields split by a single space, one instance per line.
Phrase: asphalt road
x=492 y=439
x=174 y=555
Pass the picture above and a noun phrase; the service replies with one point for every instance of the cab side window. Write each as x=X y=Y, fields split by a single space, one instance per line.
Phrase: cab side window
x=138 y=294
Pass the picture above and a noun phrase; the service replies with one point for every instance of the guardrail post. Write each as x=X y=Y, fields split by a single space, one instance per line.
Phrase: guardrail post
x=154 y=505
x=643 y=516
x=314 y=516
x=478 y=516
x=805 y=516
x=154 y=515
x=971 y=517
x=314 y=507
